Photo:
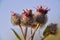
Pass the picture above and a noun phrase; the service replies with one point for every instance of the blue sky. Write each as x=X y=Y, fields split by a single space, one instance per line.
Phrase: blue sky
x=18 y=5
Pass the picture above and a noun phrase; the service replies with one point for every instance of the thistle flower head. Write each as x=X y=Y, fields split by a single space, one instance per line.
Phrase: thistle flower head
x=27 y=12
x=42 y=10
x=15 y=18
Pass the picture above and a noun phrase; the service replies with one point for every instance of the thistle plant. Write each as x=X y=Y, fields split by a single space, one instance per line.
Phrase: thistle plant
x=51 y=29
x=28 y=19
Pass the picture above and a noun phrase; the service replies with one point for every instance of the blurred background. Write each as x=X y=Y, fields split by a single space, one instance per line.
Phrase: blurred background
x=17 y=6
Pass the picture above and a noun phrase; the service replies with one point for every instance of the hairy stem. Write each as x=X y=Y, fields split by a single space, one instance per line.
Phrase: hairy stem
x=26 y=32
x=22 y=32
x=34 y=31
x=31 y=34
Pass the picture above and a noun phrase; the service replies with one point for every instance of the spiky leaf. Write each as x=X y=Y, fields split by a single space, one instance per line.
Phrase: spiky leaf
x=19 y=38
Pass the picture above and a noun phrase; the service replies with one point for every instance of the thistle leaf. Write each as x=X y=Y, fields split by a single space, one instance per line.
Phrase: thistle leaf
x=19 y=38
x=46 y=32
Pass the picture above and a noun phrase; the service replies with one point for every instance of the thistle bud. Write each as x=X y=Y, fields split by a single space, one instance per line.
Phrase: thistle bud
x=15 y=18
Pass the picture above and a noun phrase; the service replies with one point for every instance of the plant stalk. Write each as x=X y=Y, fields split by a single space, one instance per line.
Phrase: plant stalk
x=26 y=32
x=22 y=32
x=34 y=31
x=31 y=34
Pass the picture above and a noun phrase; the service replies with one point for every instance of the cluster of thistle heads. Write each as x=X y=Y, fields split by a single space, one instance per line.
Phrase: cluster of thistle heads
x=28 y=18
x=31 y=19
